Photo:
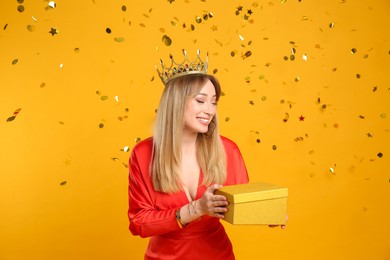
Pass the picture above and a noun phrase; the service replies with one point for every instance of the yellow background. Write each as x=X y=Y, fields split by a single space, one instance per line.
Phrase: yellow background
x=63 y=159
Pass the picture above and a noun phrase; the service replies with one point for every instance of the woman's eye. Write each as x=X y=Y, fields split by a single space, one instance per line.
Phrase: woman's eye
x=199 y=101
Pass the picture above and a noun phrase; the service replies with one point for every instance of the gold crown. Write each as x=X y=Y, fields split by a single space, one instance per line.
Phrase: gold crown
x=197 y=66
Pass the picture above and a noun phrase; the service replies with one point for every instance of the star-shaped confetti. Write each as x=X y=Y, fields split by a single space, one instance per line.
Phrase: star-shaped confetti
x=301 y=118
x=53 y=31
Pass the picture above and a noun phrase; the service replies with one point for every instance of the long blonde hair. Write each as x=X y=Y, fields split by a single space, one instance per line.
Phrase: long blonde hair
x=168 y=131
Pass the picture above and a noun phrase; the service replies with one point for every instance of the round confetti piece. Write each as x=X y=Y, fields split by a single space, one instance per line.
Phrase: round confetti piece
x=380 y=155
x=124 y=8
x=285 y=58
x=20 y=1
x=353 y=50
x=108 y=30
x=101 y=125
x=227 y=119
x=274 y=147
x=198 y=19
x=292 y=57
x=63 y=183
x=21 y=8
x=30 y=28
x=296 y=79
x=76 y=50
x=103 y=98
x=167 y=40
x=358 y=76
x=43 y=84
x=15 y=61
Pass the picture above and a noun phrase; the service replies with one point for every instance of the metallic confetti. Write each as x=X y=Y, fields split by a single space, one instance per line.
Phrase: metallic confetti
x=63 y=183
x=304 y=57
x=15 y=61
x=138 y=139
x=119 y=39
x=353 y=50
x=51 y=5
x=380 y=155
x=124 y=8
x=108 y=30
x=53 y=31
x=331 y=25
x=286 y=117
x=103 y=98
x=12 y=118
x=20 y=1
x=167 y=40
x=21 y=8
x=101 y=125
x=274 y=147
x=76 y=50
x=43 y=84
x=31 y=28
x=296 y=79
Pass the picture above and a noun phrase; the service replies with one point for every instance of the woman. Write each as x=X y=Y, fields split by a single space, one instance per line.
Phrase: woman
x=173 y=175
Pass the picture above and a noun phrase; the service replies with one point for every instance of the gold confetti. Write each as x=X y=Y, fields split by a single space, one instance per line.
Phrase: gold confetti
x=380 y=155
x=76 y=50
x=123 y=8
x=21 y=8
x=63 y=183
x=353 y=50
x=274 y=147
x=167 y=40
x=304 y=57
x=53 y=31
x=119 y=39
x=30 y=28
x=15 y=61
x=43 y=84
x=101 y=125
x=331 y=25
x=227 y=119
x=103 y=98
x=108 y=30
x=12 y=118
x=297 y=79
x=137 y=139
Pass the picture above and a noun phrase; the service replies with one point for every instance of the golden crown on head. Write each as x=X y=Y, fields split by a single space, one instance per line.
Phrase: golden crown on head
x=175 y=70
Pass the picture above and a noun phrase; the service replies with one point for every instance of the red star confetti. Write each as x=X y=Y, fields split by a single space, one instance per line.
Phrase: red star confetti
x=301 y=118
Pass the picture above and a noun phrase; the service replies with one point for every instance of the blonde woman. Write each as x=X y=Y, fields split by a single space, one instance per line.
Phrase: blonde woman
x=173 y=175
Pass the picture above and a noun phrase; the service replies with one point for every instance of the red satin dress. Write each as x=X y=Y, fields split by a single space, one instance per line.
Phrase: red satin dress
x=153 y=214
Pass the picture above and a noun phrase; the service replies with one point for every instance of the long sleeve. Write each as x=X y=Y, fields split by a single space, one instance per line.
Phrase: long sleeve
x=146 y=217
x=236 y=169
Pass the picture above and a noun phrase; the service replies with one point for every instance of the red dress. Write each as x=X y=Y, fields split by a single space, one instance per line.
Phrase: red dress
x=153 y=214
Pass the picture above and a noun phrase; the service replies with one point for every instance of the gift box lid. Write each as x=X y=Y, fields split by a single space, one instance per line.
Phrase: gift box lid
x=252 y=192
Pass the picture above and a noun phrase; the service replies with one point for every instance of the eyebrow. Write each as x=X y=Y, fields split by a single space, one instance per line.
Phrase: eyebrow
x=204 y=94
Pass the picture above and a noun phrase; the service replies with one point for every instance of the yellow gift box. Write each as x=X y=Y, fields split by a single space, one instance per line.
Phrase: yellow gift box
x=255 y=203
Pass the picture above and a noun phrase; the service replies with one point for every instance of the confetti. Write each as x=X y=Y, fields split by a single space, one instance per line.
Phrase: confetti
x=331 y=25
x=12 y=118
x=21 y=8
x=353 y=50
x=301 y=118
x=15 y=61
x=63 y=183
x=380 y=155
x=274 y=147
x=304 y=57
x=119 y=39
x=43 y=84
x=30 y=28
x=123 y=8
x=167 y=40
x=108 y=30
x=53 y=31
x=51 y=5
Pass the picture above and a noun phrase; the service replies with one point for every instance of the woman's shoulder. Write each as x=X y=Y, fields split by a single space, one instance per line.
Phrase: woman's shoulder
x=144 y=145
x=228 y=143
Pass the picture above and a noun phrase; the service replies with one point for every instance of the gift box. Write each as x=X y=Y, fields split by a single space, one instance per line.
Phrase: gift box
x=255 y=203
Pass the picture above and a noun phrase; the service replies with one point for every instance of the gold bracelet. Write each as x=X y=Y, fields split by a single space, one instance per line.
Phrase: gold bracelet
x=178 y=219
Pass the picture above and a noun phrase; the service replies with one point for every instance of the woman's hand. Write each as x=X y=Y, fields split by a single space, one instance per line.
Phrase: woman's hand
x=210 y=204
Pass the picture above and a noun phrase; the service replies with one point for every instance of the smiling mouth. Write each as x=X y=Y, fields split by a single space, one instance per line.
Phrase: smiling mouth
x=204 y=120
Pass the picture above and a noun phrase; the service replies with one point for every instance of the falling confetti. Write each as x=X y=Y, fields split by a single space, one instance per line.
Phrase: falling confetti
x=301 y=118
x=21 y=8
x=63 y=183
x=31 y=28
x=53 y=31
x=380 y=155
x=119 y=39
x=167 y=40
x=12 y=118
x=15 y=61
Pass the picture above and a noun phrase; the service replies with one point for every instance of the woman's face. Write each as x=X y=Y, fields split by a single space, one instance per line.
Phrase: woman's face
x=200 y=109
